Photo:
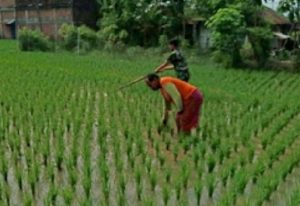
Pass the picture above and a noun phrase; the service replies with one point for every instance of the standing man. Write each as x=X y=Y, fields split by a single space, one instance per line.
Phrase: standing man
x=186 y=97
x=175 y=61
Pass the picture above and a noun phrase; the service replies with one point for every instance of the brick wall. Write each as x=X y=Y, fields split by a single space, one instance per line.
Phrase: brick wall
x=47 y=16
x=47 y=20
x=7 y=17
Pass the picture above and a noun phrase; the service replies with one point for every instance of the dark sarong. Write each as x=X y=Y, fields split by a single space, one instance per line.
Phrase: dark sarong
x=190 y=117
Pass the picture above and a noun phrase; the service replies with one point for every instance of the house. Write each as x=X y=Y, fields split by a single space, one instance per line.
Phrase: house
x=7 y=19
x=195 y=31
x=281 y=27
x=48 y=15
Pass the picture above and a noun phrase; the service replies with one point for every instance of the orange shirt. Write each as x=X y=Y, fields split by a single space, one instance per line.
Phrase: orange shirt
x=184 y=89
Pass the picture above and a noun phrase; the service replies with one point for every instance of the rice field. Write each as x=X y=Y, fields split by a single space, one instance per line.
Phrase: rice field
x=69 y=137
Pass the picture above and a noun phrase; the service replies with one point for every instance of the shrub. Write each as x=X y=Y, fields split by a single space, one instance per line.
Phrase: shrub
x=261 y=39
x=297 y=60
x=33 y=40
x=74 y=37
x=228 y=34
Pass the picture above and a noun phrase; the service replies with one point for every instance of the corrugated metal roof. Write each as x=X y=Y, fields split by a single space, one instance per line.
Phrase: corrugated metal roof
x=274 y=17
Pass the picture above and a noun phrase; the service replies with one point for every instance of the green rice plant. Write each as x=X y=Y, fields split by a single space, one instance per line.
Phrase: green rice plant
x=52 y=194
x=186 y=146
x=140 y=146
x=32 y=179
x=87 y=184
x=221 y=156
x=156 y=147
x=153 y=180
x=28 y=200
x=106 y=192
x=129 y=150
x=139 y=191
x=121 y=199
x=45 y=151
x=168 y=173
x=241 y=180
x=215 y=144
x=176 y=152
x=138 y=175
x=198 y=191
x=211 y=184
x=168 y=143
x=59 y=156
x=86 y=202
x=148 y=164
x=104 y=171
x=178 y=188
x=295 y=197
x=202 y=150
x=185 y=174
x=132 y=161
x=166 y=194
x=119 y=165
x=196 y=157
x=73 y=177
x=211 y=163
x=4 y=168
x=148 y=202
x=251 y=153
x=122 y=183
x=19 y=177
x=51 y=173
x=242 y=160
x=68 y=195
x=161 y=159
x=224 y=176
x=7 y=193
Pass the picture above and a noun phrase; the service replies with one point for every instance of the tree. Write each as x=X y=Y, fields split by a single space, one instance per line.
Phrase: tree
x=143 y=20
x=228 y=33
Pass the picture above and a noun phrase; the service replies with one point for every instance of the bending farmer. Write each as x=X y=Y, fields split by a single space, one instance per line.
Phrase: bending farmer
x=186 y=97
x=175 y=61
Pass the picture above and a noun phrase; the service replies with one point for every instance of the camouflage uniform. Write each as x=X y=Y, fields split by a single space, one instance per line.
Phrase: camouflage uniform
x=180 y=65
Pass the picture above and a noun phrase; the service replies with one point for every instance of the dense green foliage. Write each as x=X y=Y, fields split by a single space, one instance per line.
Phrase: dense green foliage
x=140 y=22
x=33 y=40
x=74 y=37
x=69 y=137
x=228 y=34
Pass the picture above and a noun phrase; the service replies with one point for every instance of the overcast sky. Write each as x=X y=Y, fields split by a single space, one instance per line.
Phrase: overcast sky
x=272 y=4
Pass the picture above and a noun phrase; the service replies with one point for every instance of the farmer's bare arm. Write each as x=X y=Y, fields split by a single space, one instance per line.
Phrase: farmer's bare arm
x=162 y=67
x=175 y=95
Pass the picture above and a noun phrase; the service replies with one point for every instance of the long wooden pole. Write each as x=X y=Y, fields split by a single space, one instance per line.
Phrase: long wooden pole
x=135 y=81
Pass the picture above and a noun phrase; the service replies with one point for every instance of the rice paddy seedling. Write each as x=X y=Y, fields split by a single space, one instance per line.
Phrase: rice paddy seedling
x=211 y=163
x=166 y=195
x=153 y=180
x=121 y=199
x=178 y=188
x=211 y=183
x=106 y=191
x=176 y=152
x=68 y=195
x=168 y=173
x=122 y=184
x=52 y=194
x=28 y=200
x=198 y=191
